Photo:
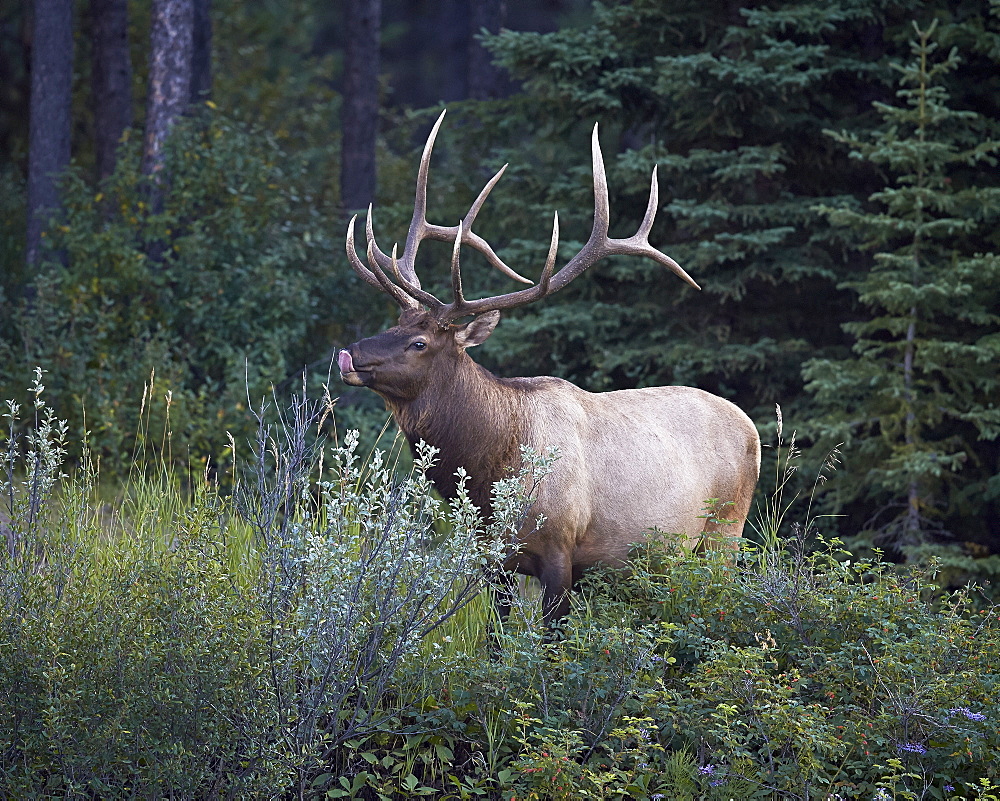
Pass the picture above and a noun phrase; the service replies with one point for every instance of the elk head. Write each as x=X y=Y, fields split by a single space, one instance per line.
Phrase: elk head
x=399 y=362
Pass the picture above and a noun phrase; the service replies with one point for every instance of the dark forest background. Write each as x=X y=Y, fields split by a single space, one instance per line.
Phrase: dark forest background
x=176 y=176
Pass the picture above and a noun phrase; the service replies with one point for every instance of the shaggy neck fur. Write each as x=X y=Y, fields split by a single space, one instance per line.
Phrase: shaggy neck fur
x=474 y=419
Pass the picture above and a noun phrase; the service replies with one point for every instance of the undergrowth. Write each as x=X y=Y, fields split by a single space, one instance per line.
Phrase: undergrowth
x=319 y=630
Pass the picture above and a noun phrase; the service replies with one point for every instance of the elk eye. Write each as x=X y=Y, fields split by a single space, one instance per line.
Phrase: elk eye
x=418 y=345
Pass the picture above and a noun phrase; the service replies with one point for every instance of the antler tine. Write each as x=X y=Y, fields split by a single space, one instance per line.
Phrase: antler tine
x=374 y=275
x=638 y=244
x=461 y=307
x=640 y=240
x=419 y=228
x=402 y=299
x=550 y=259
x=448 y=233
x=381 y=258
x=651 y=205
x=352 y=256
x=456 y=272
x=481 y=199
x=418 y=223
x=602 y=207
x=477 y=241
x=415 y=292
x=380 y=263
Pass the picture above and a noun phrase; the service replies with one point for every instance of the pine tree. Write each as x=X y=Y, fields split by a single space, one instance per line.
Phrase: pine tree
x=918 y=401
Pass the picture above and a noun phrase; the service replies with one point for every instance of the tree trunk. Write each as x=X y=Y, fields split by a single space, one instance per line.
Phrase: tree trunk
x=359 y=118
x=111 y=78
x=49 y=124
x=170 y=52
x=485 y=82
x=15 y=80
x=201 y=57
x=452 y=47
x=913 y=500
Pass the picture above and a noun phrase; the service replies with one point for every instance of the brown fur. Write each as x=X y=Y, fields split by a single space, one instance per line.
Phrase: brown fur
x=629 y=460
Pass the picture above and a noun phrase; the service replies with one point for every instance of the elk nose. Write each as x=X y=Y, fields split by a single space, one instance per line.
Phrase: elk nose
x=345 y=362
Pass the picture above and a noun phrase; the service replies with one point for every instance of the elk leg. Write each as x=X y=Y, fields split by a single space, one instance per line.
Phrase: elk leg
x=556 y=579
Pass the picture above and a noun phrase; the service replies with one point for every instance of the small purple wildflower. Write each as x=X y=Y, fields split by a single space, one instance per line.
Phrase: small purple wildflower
x=949 y=788
x=913 y=748
x=706 y=770
x=717 y=782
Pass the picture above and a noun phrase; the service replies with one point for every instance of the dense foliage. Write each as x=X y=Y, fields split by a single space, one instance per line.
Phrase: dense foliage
x=323 y=639
x=208 y=299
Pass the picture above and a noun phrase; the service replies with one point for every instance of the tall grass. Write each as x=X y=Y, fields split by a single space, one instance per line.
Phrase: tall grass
x=777 y=494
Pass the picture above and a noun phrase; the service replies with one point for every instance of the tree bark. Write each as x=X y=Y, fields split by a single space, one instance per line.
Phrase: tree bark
x=49 y=124
x=170 y=52
x=359 y=118
x=201 y=56
x=111 y=79
x=485 y=82
x=452 y=45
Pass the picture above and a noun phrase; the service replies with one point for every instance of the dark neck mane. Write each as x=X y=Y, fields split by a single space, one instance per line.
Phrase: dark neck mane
x=474 y=419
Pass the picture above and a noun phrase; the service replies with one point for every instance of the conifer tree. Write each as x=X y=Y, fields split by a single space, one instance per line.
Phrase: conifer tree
x=731 y=104
x=917 y=403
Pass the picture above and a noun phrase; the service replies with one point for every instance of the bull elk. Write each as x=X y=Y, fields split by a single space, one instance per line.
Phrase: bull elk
x=629 y=460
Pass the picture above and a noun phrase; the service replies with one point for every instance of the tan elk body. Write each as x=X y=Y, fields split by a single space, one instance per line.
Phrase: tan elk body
x=629 y=461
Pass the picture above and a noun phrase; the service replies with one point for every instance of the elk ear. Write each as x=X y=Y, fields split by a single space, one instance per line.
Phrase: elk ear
x=475 y=331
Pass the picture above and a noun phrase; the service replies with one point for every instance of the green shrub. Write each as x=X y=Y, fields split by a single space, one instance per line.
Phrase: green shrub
x=225 y=287
x=209 y=645
x=354 y=578
x=786 y=674
x=131 y=663
x=790 y=670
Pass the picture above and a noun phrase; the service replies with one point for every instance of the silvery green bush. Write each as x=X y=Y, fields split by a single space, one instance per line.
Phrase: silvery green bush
x=356 y=570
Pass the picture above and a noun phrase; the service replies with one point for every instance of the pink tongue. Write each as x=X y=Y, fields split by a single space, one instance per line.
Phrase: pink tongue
x=344 y=360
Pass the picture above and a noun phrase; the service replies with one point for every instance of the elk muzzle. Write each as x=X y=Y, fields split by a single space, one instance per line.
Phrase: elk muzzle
x=350 y=374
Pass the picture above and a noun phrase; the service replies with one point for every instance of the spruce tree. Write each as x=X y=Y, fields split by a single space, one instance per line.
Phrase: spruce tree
x=917 y=403
x=731 y=104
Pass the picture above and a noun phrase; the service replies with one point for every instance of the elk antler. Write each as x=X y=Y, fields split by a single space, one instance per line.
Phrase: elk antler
x=408 y=294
